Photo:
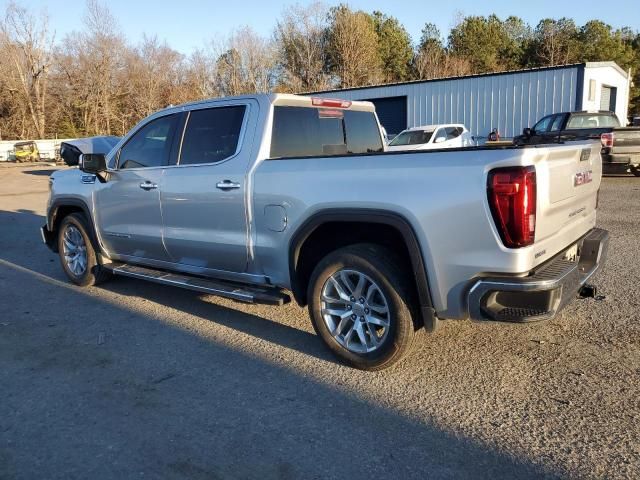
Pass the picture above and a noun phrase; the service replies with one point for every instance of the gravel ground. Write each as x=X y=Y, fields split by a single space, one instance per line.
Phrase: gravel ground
x=132 y=379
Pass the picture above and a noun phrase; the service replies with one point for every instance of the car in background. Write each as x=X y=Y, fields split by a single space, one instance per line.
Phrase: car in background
x=620 y=145
x=431 y=137
x=26 y=152
x=71 y=150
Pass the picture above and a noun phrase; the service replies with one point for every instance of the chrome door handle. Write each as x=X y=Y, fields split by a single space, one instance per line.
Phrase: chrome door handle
x=148 y=185
x=227 y=185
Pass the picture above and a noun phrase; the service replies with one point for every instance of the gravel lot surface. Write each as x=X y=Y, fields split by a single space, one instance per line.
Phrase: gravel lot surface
x=136 y=380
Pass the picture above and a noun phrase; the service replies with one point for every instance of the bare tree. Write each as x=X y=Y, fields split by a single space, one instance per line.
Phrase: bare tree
x=93 y=64
x=154 y=74
x=431 y=63
x=247 y=63
x=301 y=40
x=432 y=60
x=200 y=76
x=353 y=48
x=27 y=44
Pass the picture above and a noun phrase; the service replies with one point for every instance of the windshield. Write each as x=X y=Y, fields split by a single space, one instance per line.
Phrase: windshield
x=412 y=137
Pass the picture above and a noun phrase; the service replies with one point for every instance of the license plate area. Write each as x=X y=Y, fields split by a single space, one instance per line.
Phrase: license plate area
x=571 y=254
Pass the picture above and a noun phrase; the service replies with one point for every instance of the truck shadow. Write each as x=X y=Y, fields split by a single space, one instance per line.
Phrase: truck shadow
x=142 y=392
x=198 y=305
x=126 y=391
x=186 y=301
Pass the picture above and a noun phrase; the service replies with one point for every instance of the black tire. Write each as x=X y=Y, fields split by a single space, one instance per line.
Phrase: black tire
x=93 y=273
x=635 y=171
x=381 y=266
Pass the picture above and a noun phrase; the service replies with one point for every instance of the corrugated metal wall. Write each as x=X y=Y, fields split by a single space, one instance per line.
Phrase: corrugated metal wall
x=509 y=101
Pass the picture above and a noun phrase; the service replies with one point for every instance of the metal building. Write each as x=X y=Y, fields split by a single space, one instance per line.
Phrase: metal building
x=509 y=101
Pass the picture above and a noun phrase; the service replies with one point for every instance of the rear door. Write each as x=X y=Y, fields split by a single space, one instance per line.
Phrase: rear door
x=203 y=196
x=552 y=135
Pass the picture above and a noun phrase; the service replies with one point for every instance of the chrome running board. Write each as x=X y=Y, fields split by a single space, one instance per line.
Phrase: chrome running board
x=234 y=291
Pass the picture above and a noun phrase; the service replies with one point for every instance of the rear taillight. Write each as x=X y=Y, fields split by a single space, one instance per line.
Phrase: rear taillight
x=512 y=198
x=607 y=139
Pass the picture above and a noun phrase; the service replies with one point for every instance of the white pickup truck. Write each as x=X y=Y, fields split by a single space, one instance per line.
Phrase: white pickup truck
x=263 y=197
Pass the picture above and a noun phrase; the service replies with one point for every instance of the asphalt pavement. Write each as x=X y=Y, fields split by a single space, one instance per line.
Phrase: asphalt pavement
x=136 y=380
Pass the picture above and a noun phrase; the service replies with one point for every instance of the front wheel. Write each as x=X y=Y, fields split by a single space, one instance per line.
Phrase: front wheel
x=77 y=255
x=636 y=170
x=360 y=304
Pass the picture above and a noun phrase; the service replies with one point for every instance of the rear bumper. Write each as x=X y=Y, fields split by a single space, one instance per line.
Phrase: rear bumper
x=619 y=163
x=541 y=294
x=48 y=238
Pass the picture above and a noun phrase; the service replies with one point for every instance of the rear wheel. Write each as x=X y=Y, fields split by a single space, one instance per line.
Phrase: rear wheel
x=360 y=305
x=636 y=170
x=77 y=255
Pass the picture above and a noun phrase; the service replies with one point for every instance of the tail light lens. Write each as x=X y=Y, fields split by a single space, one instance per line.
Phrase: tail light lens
x=330 y=102
x=512 y=198
x=607 y=139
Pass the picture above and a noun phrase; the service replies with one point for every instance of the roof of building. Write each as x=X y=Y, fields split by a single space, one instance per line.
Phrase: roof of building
x=476 y=75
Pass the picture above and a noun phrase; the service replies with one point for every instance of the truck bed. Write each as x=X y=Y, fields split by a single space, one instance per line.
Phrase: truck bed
x=443 y=195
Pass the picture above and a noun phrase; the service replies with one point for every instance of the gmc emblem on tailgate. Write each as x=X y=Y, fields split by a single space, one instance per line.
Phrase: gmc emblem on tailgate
x=582 y=177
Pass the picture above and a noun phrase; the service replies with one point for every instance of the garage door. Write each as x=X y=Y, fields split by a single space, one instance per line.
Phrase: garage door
x=608 y=98
x=392 y=112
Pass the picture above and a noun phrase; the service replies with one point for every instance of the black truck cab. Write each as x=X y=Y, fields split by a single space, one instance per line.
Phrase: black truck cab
x=620 y=145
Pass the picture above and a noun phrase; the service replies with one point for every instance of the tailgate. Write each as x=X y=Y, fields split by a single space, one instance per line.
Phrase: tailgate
x=568 y=179
x=626 y=141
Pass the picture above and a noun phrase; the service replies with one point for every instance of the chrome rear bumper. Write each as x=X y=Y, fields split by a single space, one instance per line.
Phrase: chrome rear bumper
x=541 y=294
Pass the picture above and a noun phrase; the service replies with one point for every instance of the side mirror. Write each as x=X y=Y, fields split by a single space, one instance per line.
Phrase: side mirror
x=527 y=132
x=439 y=139
x=93 y=163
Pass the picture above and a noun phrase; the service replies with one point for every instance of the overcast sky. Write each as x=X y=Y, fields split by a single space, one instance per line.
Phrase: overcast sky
x=187 y=24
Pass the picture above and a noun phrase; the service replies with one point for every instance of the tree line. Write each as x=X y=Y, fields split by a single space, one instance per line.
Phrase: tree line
x=96 y=82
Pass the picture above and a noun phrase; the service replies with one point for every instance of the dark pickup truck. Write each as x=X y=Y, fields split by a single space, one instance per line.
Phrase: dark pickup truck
x=620 y=145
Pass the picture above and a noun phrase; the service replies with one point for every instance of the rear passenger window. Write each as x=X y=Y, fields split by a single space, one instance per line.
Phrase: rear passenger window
x=453 y=132
x=363 y=134
x=211 y=135
x=557 y=122
x=315 y=132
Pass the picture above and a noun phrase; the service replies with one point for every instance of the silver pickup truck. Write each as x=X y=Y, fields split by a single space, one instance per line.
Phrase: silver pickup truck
x=263 y=197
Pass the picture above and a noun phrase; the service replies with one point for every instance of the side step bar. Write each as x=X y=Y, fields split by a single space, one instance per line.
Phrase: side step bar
x=242 y=293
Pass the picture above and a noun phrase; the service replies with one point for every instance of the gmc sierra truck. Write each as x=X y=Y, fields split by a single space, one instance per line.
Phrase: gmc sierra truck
x=266 y=197
x=620 y=145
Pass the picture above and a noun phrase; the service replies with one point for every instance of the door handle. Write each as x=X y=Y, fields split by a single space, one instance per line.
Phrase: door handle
x=148 y=185
x=227 y=185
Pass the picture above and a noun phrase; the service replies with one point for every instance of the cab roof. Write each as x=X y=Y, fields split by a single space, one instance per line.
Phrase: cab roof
x=431 y=128
x=286 y=99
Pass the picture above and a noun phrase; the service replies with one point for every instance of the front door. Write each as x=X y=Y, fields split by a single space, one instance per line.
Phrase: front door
x=203 y=197
x=128 y=211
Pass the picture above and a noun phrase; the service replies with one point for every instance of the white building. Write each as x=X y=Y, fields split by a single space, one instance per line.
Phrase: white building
x=508 y=101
